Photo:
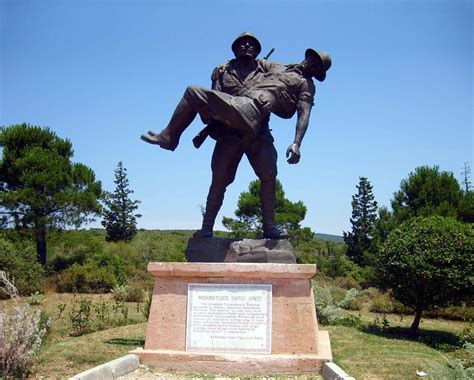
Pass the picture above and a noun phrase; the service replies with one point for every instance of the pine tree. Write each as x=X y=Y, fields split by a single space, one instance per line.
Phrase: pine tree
x=249 y=222
x=40 y=187
x=427 y=191
x=119 y=219
x=360 y=244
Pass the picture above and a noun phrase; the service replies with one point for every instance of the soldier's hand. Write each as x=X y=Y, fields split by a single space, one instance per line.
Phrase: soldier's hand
x=293 y=154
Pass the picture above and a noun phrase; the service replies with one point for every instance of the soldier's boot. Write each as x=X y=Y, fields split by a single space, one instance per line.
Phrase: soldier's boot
x=268 y=202
x=168 y=138
x=213 y=205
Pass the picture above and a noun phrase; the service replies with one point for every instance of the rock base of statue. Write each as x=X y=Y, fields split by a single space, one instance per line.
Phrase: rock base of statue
x=234 y=319
x=214 y=250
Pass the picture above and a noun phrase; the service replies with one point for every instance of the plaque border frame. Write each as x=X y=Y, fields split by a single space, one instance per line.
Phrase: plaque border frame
x=268 y=343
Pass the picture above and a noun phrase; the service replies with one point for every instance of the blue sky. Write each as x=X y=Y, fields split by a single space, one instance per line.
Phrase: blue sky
x=101 y=72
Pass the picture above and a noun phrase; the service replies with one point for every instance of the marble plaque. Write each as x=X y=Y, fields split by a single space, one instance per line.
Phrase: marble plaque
x=229 y=318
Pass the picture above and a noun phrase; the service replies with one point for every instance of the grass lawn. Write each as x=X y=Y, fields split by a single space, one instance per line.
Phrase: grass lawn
x=63 y=354
x=362 y=353
x=390 y=354
x=71 y=355
x=368 y=356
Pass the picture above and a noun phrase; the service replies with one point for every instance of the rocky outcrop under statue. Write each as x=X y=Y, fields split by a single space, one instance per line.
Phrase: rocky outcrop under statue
x=240 y=250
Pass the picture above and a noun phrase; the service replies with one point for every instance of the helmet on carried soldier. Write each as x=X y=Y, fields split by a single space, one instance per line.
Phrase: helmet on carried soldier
x=322 y=62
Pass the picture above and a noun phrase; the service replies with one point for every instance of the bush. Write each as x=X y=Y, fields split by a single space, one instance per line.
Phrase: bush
x=455 y=313
x=120 y=292
x=86 y=279
x=355 y=305
x=35 y=299
x=346 y=283
x=141 y=279
x=351 y=321
x=466 y=335
x=134 y=295
x=328 y=311
x=21 y=334
x=381 y=305
x=66 y=248
x=21 y=264
x=101 y=273
x=80 y=316
x=112 y=263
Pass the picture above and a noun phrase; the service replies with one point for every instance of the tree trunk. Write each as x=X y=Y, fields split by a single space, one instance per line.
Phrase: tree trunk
x=416 y=321
x=40 y=230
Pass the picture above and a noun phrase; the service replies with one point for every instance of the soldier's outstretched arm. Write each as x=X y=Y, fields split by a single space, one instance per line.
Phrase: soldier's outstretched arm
x=303 y=111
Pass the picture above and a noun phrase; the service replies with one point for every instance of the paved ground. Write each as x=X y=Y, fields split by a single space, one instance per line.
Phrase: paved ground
x=145 y=373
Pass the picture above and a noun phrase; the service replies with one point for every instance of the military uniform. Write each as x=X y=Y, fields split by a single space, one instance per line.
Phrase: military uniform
x=231 y=144
x=264 y=84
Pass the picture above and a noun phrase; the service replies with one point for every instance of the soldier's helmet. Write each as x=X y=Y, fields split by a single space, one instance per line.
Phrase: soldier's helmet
x=248 y=35
x=322 y=60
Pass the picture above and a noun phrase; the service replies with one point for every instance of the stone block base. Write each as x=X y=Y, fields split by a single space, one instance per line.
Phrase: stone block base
x=297 y=346
x=239 y=364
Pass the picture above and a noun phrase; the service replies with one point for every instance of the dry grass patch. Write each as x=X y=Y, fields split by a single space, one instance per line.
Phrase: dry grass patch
x=73 y=355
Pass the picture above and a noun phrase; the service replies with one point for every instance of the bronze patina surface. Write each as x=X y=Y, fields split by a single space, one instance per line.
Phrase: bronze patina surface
x=245 y=91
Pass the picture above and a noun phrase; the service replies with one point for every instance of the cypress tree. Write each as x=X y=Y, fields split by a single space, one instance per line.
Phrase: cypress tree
x=119 y=218
x=359 y=241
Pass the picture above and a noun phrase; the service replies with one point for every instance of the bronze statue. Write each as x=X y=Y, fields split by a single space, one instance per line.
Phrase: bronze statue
x=237 y=109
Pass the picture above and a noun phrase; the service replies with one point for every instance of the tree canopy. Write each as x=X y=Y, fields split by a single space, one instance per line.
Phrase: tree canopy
x=428 y=262
x=40 y=187
x=249 y=222
x=119 y=219
x=427 y=191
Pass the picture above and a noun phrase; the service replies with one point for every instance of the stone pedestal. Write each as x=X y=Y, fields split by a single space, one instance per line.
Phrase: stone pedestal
x=297 y=346
x=214 y=250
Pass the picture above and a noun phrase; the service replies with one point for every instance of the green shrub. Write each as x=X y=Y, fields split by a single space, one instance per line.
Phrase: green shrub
x=127 y=293
x=380 y=323
x=86 y=278
x=350 y=321
x=66 y=248
x=60 y=263
x=381 y=305
x=346 y=283
x=467 y=335
x=327 y=309
x=112 y=263
x=35 y=299
x=21 y=263
x=354 y=304
x=141 y=279
x=134 y=295
x=369 y=294
x=80 y=316
x=455 y=313
x=120 y=292
x=101 y=273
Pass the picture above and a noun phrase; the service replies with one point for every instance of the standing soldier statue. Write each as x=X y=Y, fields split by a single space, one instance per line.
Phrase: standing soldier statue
x=237 y=109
